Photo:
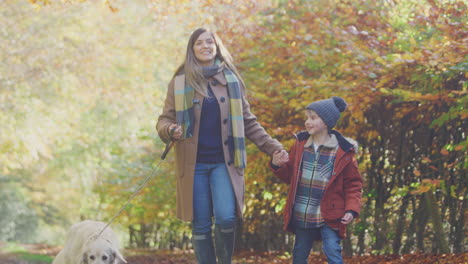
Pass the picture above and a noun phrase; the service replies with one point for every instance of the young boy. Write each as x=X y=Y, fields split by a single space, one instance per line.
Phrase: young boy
x=325 y=184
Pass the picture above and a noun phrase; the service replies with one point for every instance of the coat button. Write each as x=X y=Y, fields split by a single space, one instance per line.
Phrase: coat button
x=225 y=120
x=222 y=99
x=214 y=82
x=229 y=163
x=225 y=142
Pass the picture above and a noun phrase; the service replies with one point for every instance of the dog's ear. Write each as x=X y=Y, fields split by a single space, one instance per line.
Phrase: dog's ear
x=111 y=256
x=118 y=257
x=84 y=260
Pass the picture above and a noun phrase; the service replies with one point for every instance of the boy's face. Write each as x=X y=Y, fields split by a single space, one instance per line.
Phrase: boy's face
x=314 y=124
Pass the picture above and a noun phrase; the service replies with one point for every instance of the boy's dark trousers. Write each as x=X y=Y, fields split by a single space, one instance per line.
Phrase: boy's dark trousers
x=305 y=239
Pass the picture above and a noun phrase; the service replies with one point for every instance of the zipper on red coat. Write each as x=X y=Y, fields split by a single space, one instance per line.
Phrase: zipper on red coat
x=310 y=184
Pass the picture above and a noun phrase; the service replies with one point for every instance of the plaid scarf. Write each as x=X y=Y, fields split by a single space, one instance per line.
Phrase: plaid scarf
x=184 y=101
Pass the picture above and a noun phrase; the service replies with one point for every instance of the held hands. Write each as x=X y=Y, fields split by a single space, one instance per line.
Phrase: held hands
x=177 y=134
x=280 y=158
x=347 y=218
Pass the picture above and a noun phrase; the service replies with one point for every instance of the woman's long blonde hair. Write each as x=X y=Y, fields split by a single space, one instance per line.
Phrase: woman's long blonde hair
x=192 y=68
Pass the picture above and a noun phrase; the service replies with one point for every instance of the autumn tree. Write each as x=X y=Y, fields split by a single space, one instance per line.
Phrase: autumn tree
x=78 y=111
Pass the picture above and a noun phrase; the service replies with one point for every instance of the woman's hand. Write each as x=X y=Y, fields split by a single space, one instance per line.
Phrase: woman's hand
x=280 y=158
x=177 y=131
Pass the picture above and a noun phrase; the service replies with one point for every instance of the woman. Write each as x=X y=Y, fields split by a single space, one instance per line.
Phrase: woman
x=208 y=117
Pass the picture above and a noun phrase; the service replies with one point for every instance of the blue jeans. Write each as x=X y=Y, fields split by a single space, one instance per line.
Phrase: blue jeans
x=305 y=238
x=212 y=195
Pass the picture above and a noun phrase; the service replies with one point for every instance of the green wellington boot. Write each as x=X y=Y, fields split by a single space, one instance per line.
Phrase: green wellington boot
x=224 y=240
x=204 y=250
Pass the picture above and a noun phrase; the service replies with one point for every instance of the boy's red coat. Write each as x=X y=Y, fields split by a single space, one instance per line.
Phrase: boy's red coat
x=343 y=192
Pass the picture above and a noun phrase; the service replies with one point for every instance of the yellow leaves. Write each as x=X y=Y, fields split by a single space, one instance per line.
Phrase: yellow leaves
x=426 y=160
x=372 y=134
x=296 y=104
x=444 y=152
x=460 y=147
x=427 y=181
x=110 y=6
x=420 y=189
x=38 y=2
x=424 y=189
x=416 y=172
x=426 y=185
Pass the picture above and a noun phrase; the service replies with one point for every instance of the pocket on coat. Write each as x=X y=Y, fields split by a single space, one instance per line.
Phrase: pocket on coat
x=337 y=205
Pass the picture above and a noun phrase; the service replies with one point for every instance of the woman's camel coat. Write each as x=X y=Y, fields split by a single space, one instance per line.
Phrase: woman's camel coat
x=186 y=150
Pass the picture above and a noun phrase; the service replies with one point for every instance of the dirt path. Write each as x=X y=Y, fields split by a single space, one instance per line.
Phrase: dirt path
x=43 y=254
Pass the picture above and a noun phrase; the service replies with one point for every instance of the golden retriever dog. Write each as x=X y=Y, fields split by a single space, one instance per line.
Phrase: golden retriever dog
x=84 y=247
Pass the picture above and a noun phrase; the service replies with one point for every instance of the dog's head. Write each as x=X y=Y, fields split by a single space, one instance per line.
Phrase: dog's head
x=101 y=252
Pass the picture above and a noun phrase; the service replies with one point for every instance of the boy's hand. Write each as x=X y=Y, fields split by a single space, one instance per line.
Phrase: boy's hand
x=347 y=218
x=280 y=158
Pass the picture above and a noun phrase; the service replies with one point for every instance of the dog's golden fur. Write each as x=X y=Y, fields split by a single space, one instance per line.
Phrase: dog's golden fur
x=84 y=247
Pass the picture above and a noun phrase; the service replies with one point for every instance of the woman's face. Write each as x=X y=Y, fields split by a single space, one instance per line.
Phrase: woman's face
x=205 y=49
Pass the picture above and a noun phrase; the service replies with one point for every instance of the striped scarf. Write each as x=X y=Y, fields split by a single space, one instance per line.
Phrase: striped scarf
x=184 y=100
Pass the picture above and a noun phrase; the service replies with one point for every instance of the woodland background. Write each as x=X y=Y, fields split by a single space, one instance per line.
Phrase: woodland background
x=83 y=82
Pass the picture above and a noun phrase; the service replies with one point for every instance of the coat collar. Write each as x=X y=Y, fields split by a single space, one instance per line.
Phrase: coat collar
x=332 y=142
x=346 y=144
x=220 y=78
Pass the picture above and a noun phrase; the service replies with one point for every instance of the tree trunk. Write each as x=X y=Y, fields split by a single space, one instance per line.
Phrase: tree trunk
x=379 y=228
x=411 y=230
x=379 y=218
x=363 y=225
x=459 y=229
x=421 y=224
x=400 y=225
x=131 y=233
x=347 y=246
x=433 y=210
x=361 y=242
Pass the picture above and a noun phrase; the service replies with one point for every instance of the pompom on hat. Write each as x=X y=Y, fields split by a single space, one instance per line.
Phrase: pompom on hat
x=329 y=109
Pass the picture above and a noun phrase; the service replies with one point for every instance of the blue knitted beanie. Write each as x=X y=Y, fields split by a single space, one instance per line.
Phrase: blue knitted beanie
x=329 y=109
